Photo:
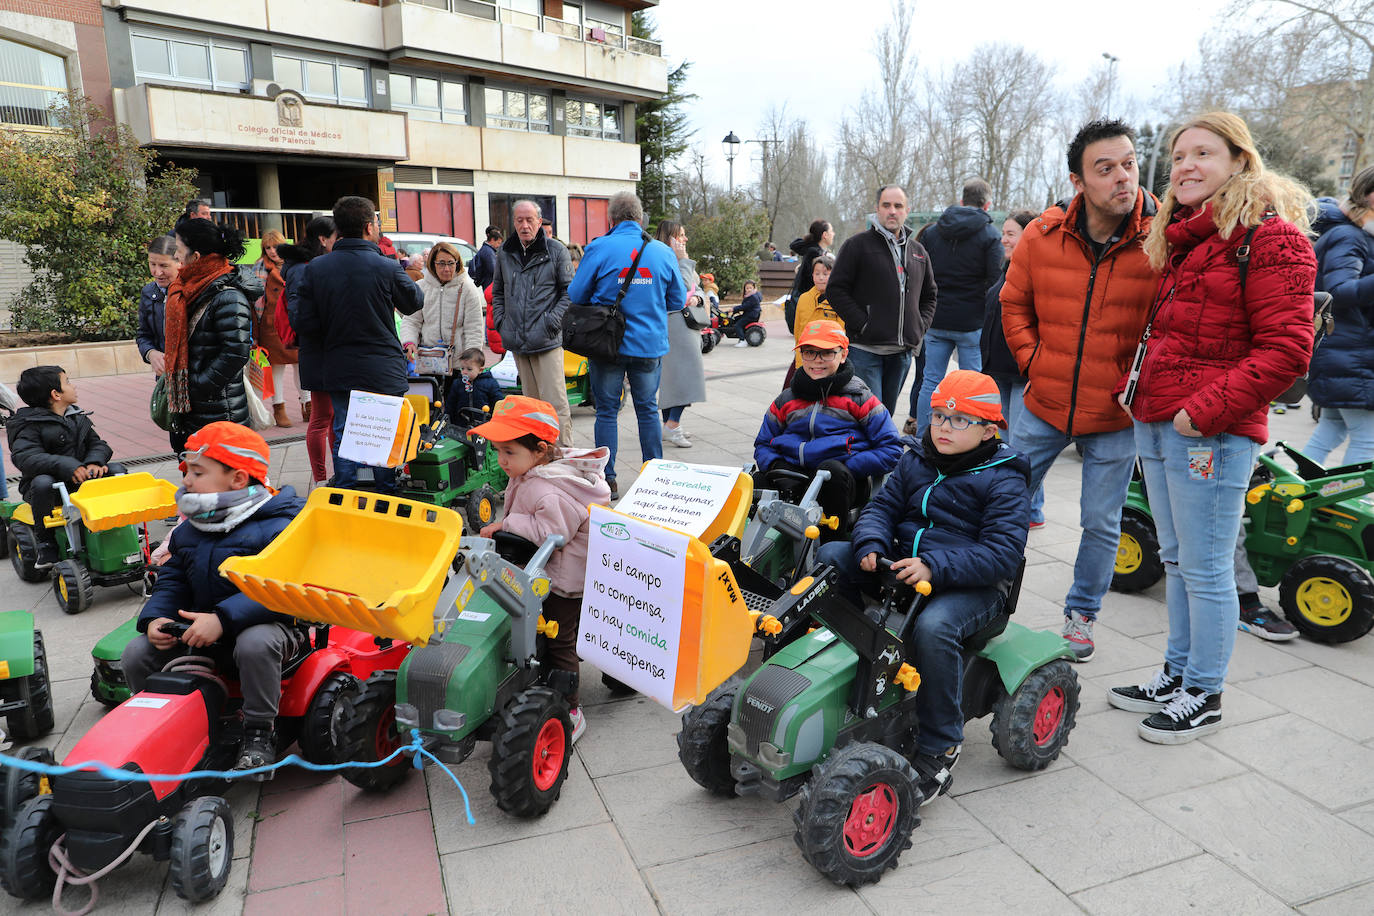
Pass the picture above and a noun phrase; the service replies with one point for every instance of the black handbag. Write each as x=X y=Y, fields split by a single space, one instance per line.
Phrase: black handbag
x=596 y=331
x=698 y=316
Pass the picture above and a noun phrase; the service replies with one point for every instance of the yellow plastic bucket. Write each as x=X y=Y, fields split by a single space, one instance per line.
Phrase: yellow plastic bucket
x=125 y=499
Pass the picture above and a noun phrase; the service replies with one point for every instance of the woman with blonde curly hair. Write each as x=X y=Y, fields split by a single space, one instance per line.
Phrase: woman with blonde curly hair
x=1230 y=328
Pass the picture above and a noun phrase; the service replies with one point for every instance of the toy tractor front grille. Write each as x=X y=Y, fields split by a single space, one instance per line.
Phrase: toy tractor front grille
x=771 y=690
x=428 y=672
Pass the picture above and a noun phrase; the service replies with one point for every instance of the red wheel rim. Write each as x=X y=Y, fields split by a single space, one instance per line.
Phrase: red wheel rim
x=548 y=754
x=1049 y=715
x=872 y=818
x=387 y=740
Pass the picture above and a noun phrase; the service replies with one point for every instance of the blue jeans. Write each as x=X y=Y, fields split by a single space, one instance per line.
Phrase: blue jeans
x=674 y=414
x=1333 y=426
x=1013 y=402
x=884 y=375
x=608 y=380
x=949 y=617
x=345 y=470
x=939 y=346
x=1197 y=496
x=1108 y=459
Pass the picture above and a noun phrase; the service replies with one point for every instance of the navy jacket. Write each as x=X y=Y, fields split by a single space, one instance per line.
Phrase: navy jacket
x=1342 y=369
x=152 y=320
x=966 y=253
x=344 y=319
x=997 y=359
x=969 y=528
x=484 y=391
x=191 y=579
x=41 y=442
x=482 y=270
x=849 y=425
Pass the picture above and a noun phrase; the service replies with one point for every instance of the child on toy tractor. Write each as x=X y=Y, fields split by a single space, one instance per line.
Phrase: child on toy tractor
x=230 y=511
x=958 y=511
x=473 y=387
x=53 y=441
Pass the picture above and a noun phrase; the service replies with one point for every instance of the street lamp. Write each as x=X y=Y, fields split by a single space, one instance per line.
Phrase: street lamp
x=1112 y=61
x=731 y=145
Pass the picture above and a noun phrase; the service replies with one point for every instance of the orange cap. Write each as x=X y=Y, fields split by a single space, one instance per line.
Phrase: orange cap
x=824 y=335
x=232 y=445
x=971 y=393
x=516 y=415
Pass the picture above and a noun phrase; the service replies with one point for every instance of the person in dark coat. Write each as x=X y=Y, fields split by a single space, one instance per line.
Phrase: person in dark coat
x=209 y=329
x=152 y=301
x=320 y=235
x=482 y=270
x=474 y=386
x=344 y=320
x=817 y=241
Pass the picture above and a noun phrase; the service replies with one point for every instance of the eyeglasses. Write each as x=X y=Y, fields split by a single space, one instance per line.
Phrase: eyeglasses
x=445 y=263
x=813 y=353
x=953 y=422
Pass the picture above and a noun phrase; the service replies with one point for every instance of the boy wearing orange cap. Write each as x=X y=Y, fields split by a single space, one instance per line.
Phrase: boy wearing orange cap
x=954 y=513
x=230 y=511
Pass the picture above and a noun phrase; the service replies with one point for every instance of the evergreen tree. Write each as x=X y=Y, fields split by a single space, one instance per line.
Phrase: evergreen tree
x=662 y=132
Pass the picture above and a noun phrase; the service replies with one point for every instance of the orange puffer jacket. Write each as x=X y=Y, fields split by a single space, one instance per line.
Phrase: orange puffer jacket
x=1073 y=321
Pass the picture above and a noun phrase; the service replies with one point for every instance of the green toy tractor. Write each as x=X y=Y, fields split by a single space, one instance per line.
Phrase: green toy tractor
x=108 y=685
x=25 y=693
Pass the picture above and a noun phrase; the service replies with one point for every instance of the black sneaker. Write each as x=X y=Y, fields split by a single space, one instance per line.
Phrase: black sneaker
x=1192 y=713
x=1151 y=696
x=615 y=491
x=1264 y=623
x=259 y=749
x=933 y=773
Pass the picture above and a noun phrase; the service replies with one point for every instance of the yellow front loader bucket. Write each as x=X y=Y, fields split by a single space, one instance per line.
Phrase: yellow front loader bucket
x=107 y=503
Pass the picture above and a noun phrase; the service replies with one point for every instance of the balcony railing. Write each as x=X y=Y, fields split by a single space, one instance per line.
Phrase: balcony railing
x=253 y=223
x=480 y=9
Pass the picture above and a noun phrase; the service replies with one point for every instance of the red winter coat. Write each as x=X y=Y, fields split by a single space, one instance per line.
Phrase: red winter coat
x=493 y=335
x=1215 y=352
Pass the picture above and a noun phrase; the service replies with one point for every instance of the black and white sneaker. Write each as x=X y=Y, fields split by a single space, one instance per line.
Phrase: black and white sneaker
x=1151 y=696
x=933 y=773
x=1192 y=713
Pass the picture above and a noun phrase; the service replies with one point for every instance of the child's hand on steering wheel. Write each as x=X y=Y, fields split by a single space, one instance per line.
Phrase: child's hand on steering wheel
x=159 y=639
x=205 y=629
x=911 y=570
x=490 y=530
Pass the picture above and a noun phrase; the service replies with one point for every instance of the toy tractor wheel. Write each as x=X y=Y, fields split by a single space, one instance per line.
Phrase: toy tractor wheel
x=202 y=849
x=857 y=813
x=708 y=343
x=480 y=510
x=530 y=751
x=24 y=553
x=4 y=541
x=35 y=718
x=24 y=845
x=369 y=731
x=617 y=687
x=71 y=583
x=1329 y=599
x=1138 y=565
x=322 y=731
x=755 y=335
x=18 y=786
x=1031 y=727
x=702 y=746
x=102 y=696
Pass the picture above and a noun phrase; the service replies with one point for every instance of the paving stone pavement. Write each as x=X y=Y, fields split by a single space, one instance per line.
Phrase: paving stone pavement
x=1274 y=813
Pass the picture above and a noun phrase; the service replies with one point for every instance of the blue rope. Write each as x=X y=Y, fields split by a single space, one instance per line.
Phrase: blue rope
x=416 y=748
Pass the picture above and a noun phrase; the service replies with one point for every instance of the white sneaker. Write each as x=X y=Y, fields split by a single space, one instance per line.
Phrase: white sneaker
x=742 y=343
x=676 y=437
x=579 y=723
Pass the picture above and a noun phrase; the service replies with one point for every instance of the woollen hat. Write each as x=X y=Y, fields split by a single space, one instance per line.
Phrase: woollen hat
x=232 y=445
x=971 y=393
x=516 y=415
x=823 y=335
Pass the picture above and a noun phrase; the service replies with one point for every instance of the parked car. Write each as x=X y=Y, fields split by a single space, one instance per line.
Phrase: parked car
x=413 y=243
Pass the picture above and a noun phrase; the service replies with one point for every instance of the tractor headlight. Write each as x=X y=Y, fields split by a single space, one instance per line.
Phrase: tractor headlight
x=773 y=758
x=407 y=716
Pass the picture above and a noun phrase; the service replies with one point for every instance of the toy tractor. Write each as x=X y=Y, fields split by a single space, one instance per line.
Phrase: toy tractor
x=832 y=717
x=1137 y=553
x=731 y=325
x=25 y=693
x=576 y=377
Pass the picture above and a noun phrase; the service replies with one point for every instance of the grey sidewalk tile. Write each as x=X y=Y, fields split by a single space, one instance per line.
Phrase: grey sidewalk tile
x=981 y=767
x=587 y=871
x=946 y=830
x=1134 y=615
x=1108 y=745
x=1355 y=900
x=664 y=816
x=1042 y=820
x=992 y=879
x=1361 y=817
x=1201 y=884
x=1254 y=658
x=1354 y=660
x=1281 y=841
x=1331 y=700
x=1326 y=767
x=1116 y=652
x=743 y=878
x=631 y=735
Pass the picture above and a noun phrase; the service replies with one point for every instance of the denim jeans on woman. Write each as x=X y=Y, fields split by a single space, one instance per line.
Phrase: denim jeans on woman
x=608 y=380
x=884 y=375
x=1333 y=426
x=1197 y=496
x=938 y=347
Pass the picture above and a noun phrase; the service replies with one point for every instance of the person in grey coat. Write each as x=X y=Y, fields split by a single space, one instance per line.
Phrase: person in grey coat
x=684 y=377
x=529 y=296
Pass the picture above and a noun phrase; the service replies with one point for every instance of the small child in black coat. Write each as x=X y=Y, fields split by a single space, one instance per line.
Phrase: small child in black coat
x=474 y=387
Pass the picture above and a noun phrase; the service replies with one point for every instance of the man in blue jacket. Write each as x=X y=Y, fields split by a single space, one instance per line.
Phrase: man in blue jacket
x=345 y=313
x=655 y=290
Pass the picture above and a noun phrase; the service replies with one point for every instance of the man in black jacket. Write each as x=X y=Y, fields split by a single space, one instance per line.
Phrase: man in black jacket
x=966 y=254
x=883 y=288
x=482 y=270
x=345 y=308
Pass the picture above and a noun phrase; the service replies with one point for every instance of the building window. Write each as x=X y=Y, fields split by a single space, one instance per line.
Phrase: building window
x=190 y=59
x=30 y=81
x=429 y=98
x=592 y=119
x=517 y=109
x=441 y=212
x=615 y=31
x=587 y=218
x=321 y=79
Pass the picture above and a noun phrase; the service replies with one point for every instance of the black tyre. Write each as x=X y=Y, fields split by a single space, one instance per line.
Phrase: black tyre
x=755 y=335
x=702 y=746
x=1328 y=598
x=24 y=844
x=708 y=343
x=530 y=751
x=618 y=688
x=369 y=734
x=857 y=813
x=480 y=510
x=71 y=584
x=4 y=541
x=99 y=695
x=18 y=786
x=1138 y=565
x=202 y=849
x=322 y=730
x=35 y=719
x=1031 y=727
x=24 y=553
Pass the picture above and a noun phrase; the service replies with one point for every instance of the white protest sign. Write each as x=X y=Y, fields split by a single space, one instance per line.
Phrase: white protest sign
x=370 y=432
x=687 y=497
x=632 y=602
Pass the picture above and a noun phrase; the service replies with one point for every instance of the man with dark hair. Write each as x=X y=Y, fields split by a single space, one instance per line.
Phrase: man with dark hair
x=482 y=270
x=546 y=224
x=1074 y=305
x=345 y=310
x=966 y=254
x=196 y=208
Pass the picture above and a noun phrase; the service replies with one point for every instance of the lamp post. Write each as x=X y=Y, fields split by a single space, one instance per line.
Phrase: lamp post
x=731 y=145
x=1112 y=61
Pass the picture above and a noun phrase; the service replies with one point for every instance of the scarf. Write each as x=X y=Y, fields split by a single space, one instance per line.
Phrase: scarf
x=220 y=512
x=949 y=465
x=184 y=292
x=896 y=246
x=818 y=389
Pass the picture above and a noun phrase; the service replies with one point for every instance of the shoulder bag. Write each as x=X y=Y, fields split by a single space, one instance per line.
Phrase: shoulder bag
x=697 y=316
x=438 y=359
x=596 y=331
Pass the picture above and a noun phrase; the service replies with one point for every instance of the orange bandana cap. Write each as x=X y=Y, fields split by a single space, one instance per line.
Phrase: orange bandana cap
x=971 y=393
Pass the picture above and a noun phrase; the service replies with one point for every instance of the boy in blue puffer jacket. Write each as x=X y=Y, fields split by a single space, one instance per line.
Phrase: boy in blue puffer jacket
x=828 y=419
x=955 y=514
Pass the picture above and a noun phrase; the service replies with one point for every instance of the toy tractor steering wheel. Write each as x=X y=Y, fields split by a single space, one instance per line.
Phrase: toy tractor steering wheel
x=514 y=548
x=468 y=417
x=789 y=484
x=896 y=594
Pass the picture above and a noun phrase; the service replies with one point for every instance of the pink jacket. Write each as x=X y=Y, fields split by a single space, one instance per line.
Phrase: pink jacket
x=552 y=499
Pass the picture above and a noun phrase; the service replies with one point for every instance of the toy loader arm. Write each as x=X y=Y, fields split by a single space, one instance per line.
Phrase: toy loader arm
x=791 y=519
x=519 y=592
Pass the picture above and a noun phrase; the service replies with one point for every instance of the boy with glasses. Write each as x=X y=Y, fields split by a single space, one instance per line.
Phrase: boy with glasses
x=955 y=513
